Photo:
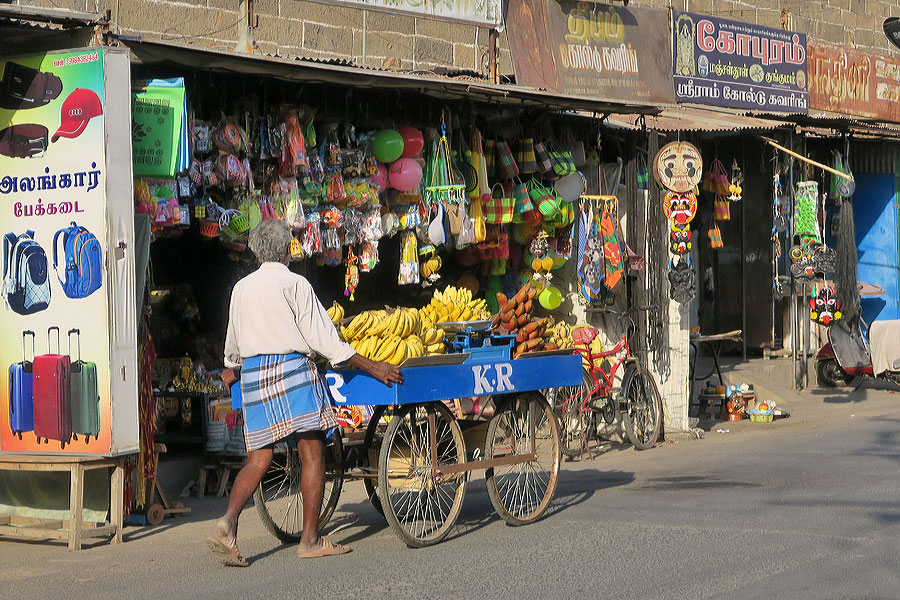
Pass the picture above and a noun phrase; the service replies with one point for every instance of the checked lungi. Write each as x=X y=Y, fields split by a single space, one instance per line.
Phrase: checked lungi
x=283 y=394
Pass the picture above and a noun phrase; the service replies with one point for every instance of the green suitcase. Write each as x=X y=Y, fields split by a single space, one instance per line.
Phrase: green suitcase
x=85 y=400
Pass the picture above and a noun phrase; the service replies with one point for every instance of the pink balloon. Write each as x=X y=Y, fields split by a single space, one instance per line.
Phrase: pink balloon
x=405 y=175
x=380 y=178
x=413 y=142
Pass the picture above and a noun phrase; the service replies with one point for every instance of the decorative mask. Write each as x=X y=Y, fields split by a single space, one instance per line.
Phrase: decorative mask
x=680 y=239
x=824 y=307
x=811 y=259
x=680 y=208
x=681 y=280
x=678 y=167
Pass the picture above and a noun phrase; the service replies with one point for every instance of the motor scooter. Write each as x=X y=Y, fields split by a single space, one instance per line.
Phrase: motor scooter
x=848 y=353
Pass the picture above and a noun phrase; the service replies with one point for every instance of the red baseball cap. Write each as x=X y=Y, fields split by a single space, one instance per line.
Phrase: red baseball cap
x=77 y=109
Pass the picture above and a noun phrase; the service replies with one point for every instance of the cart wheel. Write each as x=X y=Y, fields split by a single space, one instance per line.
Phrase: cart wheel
x=371 y=484
x=642 y=408
x=155 y=514
x=278 y=500
x=421 y=508
x=522 y=492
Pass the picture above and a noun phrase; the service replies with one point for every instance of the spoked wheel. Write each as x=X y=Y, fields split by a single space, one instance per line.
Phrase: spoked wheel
x=373 y=442
x=576 y=426
x=642 y=408
x=278 y=499
x=522 y=492
x=421 y=507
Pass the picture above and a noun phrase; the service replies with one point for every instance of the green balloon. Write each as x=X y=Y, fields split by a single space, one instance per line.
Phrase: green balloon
x=550 y=297
x=388 y=145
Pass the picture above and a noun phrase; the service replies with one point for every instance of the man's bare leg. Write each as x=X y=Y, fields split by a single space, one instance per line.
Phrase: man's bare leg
x=245 y=483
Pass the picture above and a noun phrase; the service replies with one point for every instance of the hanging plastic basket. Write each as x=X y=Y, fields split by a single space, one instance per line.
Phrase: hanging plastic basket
x=209 y=229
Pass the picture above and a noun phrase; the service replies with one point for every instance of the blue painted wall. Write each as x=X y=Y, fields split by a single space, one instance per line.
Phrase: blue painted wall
x=875 y=214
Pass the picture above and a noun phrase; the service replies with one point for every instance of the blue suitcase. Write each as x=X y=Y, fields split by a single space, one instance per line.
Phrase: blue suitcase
x=21 y=392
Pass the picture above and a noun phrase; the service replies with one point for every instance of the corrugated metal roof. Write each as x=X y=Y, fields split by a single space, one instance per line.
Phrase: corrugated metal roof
x=685 y=118
x=149 y=50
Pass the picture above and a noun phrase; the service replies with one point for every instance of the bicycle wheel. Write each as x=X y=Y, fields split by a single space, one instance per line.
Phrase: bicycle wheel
x=373 y=441
x=642 y=408
x=522 y=492
x=278 y=499
x=576 y=426
x=420 y=507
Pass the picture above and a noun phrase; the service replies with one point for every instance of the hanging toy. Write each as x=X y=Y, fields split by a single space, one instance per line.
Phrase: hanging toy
x=542 y=261
x=368 y=256
x=680 y=239
x=806 y=220
x=824 y=307
x=431 y=265
x=680 y=208
x=409 y=259
x=682 y=285
x=735 y=191
x=296 y=249
x=351 y=277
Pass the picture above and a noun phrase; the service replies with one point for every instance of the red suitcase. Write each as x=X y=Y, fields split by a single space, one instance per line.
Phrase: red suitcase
x=52 y=412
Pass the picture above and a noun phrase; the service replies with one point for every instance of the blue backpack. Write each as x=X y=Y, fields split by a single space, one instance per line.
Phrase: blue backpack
x=84 y=261
x=26 y=281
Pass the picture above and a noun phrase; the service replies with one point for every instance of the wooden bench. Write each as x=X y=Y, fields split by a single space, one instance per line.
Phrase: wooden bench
x=76 y=529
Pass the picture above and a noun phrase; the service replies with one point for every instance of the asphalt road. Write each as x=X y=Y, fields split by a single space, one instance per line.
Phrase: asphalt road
x=806 y=507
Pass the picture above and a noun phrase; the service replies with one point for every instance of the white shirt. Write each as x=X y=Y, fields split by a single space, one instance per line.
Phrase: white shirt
x=274 y=311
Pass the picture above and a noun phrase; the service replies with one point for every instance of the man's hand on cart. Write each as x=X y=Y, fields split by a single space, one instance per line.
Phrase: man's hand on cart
x=229 y=376
x=382 y=371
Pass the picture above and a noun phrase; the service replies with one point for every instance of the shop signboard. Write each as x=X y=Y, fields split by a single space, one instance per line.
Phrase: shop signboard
x=68 y=351
x=740 y=65
x=591 y=49
x=486 y=13
x=853 y=82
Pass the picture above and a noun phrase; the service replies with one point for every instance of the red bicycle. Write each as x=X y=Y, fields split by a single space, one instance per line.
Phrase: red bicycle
x=637 y=399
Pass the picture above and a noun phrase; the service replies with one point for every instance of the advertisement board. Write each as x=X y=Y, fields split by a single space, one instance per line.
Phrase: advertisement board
x=591 y=49
x=853 y=82
x=65 y=194
x=485 y=13
x=741 y=65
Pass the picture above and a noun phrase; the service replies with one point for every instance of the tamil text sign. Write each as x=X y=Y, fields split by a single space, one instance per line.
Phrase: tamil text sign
x=589 y=49
x=741 y=65
x=853 y=82
x=487 y=13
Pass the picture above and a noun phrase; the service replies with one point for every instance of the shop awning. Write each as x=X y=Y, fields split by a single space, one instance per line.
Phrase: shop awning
x=828 y=123
x=149 y=51
x=690 y=118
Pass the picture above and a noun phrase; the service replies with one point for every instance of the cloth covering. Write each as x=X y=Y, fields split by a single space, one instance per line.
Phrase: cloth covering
x=283 y=394
x=884 y=342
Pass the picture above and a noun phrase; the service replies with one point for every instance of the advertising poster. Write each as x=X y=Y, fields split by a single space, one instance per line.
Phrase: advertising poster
x=729 y=63
x=55 y=349
x=591 y=49
x=853 y=82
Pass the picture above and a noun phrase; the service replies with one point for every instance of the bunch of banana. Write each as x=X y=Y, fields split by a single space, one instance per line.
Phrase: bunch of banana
x=335 y=312
x=515 y=313
x=454 y=304
x=530 y=337
x=391 y=349
x=560 y=336
x=403 y=322
x=433 y=340
x=361 y=324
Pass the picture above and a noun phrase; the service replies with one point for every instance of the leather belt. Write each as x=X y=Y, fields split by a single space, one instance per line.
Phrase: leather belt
x=23 y=141
x=25 y=87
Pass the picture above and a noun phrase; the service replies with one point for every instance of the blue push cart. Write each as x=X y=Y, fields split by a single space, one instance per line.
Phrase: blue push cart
x=416 y=454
